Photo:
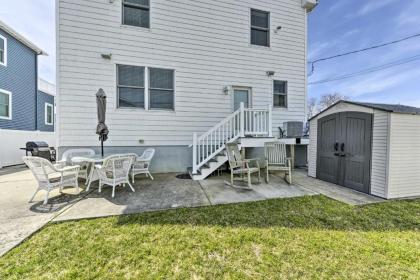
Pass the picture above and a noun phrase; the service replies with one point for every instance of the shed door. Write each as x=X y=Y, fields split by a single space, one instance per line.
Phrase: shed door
x=328 y=135
x=356 y=148
x=344 y=150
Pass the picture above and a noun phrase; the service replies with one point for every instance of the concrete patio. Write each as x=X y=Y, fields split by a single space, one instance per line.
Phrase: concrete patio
x=19 y=219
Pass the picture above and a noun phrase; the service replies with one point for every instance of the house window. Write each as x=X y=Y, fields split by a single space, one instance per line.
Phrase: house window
x=130 y=86
x=5 y=104
x=260 y=28
x=161 y=88
x=3 y=51
x=280 y=94
x=49 y=114
x=136 y=13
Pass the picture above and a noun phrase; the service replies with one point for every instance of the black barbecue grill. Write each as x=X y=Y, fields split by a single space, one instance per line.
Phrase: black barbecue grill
x=40 y=149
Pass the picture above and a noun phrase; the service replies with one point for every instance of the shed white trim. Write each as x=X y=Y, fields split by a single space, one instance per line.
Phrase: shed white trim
x=9 y=117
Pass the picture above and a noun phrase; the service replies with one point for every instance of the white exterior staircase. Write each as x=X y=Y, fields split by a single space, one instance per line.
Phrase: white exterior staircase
x=209 y=148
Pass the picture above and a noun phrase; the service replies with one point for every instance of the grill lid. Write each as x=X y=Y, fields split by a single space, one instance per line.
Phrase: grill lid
x=36 y=144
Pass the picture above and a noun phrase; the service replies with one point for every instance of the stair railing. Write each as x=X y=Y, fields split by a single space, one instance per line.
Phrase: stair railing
x=243 y=122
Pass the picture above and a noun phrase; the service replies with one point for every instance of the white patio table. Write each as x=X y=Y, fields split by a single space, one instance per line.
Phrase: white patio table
x=91 y=161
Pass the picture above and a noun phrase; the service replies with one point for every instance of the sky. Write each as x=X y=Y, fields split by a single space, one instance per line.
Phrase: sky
x=339 y=26
x=334 y=27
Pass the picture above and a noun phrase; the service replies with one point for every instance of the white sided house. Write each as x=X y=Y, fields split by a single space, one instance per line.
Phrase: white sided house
x=372 y=148
x=176 y=72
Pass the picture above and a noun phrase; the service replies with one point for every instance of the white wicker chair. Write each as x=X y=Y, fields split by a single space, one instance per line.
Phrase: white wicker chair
x=51 y=176
x=115 y=171
x=69 y=154
x=240 y=166
x=276 y=160
x=141 y=164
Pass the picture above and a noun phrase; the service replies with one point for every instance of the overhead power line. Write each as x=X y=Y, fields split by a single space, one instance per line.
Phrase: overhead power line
x=361 y=50
x=368 y=70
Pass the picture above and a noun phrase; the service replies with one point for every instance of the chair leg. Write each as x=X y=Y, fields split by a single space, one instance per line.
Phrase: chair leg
x=131 y=186
x=46 y=197
x=267 y=176
x=132 y=176
x=32 y=198
x=249 y=179
x=100 y=187
x=77 y=185
x=113 y=191
x=151 y=177
x=259 y=176
x=290 y=176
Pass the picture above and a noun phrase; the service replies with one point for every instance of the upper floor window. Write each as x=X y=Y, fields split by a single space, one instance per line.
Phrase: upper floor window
x=161 y=89
x=49 y=114
x=136 y=13
x=280 y=94
x=130 y=86
x=260 y=28
x=5 y=104
x=3 y=51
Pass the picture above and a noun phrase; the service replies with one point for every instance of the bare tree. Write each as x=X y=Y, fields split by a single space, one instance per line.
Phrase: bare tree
x=311 y=108
x=330 y=99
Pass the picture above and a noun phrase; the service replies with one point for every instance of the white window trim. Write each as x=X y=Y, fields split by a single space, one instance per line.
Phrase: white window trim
x=146 y=90
x=135 y=26
x=5 y=51
x=46 y=112
x=10 y=104
x=251 y=27
x=283 y=94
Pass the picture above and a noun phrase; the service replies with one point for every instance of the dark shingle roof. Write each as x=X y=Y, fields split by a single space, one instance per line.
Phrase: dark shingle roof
x=392 y=108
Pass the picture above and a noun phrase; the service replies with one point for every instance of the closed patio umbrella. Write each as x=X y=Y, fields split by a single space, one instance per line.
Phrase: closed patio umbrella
x=101 y=129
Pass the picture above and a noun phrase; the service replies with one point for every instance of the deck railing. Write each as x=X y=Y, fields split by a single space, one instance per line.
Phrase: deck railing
x=241 y=123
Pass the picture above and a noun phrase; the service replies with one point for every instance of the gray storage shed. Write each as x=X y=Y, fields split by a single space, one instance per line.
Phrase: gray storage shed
x=371 y=148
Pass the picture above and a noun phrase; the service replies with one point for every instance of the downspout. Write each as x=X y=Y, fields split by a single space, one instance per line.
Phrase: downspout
x=36 y=92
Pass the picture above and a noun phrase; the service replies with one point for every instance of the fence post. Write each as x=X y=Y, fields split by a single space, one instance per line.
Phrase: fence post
x=270 y=121
x=194 y=166
x=242 y=119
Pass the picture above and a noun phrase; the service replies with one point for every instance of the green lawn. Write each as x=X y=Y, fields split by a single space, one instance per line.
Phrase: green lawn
x=308 y=237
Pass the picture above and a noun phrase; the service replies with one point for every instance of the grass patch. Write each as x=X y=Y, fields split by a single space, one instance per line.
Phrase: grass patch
x=308 y=237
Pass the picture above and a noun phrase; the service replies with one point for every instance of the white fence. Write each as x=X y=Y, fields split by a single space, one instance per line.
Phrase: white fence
x=12 y=140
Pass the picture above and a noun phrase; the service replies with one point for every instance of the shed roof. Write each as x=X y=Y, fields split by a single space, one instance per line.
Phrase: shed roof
x=392 y=108
x=21 y=39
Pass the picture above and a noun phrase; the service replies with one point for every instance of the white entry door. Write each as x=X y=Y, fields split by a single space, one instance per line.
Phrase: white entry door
x=241 y=95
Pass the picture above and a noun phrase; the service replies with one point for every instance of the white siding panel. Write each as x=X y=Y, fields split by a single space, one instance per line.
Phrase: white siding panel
x=206 y=42
x=312 y=149
x=404 y=170
x=380 y=142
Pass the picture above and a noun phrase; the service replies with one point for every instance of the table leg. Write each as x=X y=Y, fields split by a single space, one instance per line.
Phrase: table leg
x=90 y=177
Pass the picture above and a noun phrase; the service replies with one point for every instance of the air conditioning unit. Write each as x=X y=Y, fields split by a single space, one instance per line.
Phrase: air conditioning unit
x=309 y=5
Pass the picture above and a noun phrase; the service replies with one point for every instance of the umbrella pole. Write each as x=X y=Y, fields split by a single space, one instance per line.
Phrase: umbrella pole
x=102 y=146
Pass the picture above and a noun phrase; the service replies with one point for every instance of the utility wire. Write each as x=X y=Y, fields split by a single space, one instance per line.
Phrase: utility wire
x=361 y=50
x=368 y=70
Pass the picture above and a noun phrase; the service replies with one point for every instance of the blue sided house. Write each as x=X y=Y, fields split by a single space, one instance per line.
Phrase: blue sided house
x=25 y=102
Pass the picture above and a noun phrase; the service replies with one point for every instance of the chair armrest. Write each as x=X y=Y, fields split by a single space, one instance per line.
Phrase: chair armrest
x=60 y=164
x=251 y=160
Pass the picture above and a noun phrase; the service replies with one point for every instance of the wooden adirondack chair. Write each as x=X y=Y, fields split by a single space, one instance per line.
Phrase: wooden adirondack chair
x=277 y=160
x=240 y=166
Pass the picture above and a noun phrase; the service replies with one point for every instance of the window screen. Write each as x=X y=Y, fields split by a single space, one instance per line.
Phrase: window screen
x=280 y=94
x=161 y=89
x=136 y=13
x=260 y=28
x=130 y=86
